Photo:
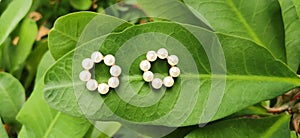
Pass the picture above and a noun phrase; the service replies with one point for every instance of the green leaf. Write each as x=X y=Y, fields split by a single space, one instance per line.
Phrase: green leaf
x=246 y=63
x=12 y=97
x=4 y=64
x=13 y=14
x=33 y=61
x=165 y=9
x=27 y=35
x=42 y=121
x=256 y=20
x=67 y=31
x=292 y=24
x=81 y=4
x=3 y=133
x=269 y=127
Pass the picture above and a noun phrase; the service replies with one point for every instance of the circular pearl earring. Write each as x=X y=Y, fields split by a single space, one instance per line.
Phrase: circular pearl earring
x=148 y=76
x=92 y=84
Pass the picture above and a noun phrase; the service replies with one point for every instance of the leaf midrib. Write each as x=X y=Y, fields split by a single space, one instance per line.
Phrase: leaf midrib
x=53 y=122
x=295 y=80
x=269 y=133
x=246 y=77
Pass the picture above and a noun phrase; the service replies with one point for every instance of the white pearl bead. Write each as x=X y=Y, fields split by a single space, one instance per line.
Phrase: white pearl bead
x=157 y=83
x=115 y=70
x=87 y=63
x=109 y=60
x=92 y=85
x=97 y=57
x=173 y=60
x=103 y=88
x=151 y=56
x=85 y=75
x=145 y=65
x=162 y=53
x=168 y=81
x=113 y=82
x=148 y=76
x=174 y=72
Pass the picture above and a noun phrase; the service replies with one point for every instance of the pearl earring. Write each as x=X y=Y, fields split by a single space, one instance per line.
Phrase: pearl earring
x=148 y=76
x=92 y=84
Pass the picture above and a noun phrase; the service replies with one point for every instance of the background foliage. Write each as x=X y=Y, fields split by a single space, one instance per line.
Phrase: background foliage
x=261 y=45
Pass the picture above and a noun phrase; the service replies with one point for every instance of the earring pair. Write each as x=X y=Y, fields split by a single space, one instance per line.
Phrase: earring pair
x=115 y=70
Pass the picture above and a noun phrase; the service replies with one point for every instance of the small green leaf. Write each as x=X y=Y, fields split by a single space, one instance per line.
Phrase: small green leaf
x=13 y=14
x=269 y=127
x=3 y=133
x=12 y=97
x=42 y=121
x=67 y=31
x=81 y=4
x=292 y=24
x=246 y=62
x=27 y=35
x=256 y=20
